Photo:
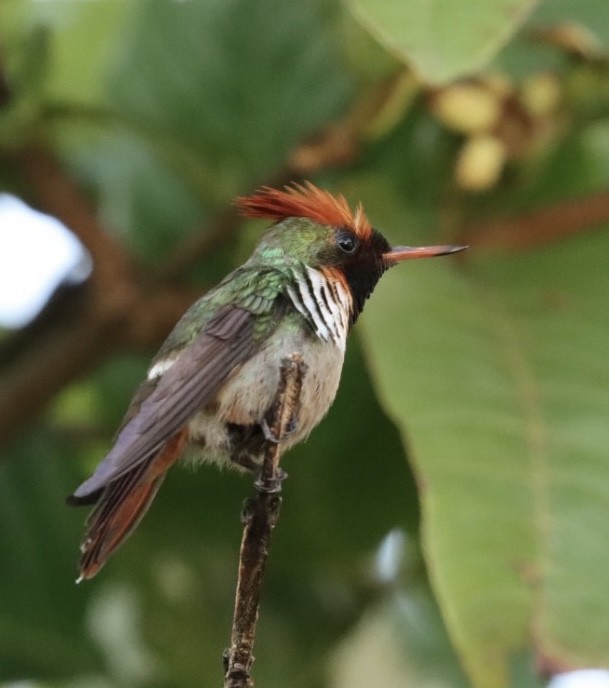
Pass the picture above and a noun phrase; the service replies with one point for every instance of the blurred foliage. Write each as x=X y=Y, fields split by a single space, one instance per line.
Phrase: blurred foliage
x=490 y=372
x=427 y=36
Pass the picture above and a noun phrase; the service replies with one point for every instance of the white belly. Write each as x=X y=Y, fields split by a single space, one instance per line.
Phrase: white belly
x=247 y=396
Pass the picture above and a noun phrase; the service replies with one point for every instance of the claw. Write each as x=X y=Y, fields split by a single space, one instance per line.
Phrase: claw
x=270 y=436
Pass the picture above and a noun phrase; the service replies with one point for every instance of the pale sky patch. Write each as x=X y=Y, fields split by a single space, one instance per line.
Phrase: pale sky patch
x=37 y=253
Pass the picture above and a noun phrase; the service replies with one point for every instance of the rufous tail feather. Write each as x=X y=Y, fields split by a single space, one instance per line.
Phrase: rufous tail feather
x=122 y=505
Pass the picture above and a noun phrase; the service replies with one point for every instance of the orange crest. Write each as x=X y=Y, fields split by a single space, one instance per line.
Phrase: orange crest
x=305 y=200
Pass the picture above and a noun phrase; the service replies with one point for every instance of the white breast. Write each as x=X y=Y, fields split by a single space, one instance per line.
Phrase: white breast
x=251 y=389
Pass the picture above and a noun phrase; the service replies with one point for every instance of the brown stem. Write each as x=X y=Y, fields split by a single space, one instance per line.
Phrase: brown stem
x=259 y=517
x=198 y=244
x=83 y=324
x=542 y=226
x=56 y=194
x=202 y=242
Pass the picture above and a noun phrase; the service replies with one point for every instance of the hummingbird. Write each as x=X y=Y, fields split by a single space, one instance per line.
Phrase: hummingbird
x=211 y=385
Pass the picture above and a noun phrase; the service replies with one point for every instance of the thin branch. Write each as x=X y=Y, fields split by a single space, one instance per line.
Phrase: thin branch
x=61 y=354
x=115 y=307
x=202 y=242
x=542 y=226
x=57 y=194
x=259 y=517
x=198 y=244
x=63 y=348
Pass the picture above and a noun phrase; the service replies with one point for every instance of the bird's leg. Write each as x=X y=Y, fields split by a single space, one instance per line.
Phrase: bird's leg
x=270 y=436
x=281 y=420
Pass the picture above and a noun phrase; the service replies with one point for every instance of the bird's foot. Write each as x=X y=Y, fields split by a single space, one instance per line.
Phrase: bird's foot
x=269 y=434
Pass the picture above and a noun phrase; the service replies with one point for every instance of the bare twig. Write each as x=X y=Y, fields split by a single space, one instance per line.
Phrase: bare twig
x=57 y=194
x=116 y=307
x=199 y=244
x=541 y=226
x=259 y=517
x=202 y=242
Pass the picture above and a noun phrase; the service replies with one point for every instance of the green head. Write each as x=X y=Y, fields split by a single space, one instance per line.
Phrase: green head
x=314 y=228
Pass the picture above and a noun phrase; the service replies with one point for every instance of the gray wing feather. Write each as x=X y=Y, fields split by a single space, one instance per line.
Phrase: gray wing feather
x=191 y=382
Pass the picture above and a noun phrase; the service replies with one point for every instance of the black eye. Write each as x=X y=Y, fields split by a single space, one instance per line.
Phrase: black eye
x=346 y=242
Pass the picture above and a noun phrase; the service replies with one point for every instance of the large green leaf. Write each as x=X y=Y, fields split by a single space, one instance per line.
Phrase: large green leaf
x=237 y=83
x=443 y=39
x=83 y=36
x=497 y=374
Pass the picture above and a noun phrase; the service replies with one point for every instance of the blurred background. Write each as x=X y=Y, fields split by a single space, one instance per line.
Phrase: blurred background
x=447 y=525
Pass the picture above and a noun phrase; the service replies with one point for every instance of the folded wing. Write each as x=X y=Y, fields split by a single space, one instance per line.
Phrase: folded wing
x=190 y=383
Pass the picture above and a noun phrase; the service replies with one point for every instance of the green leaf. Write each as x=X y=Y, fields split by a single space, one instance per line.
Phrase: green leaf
x=84 y=36
x=398 y=644
x=496 y=374
x=443 y=39
x=42 y=610
x=237 y=87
